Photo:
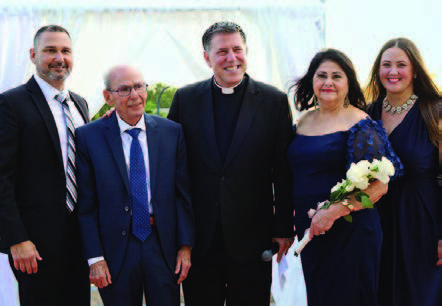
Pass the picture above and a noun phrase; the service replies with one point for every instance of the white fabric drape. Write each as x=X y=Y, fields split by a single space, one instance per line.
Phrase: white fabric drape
x=17 y=30
x=163 y=42
x=8 y=285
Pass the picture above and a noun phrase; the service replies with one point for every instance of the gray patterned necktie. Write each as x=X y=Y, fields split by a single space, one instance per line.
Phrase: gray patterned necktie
x=71 y=182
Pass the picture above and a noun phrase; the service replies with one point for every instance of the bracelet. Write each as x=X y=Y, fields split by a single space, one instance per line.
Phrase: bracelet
x=348 y=205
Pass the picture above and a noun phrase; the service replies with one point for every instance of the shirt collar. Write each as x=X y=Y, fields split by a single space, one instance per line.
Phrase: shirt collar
x=48 y=90
x=124 y=126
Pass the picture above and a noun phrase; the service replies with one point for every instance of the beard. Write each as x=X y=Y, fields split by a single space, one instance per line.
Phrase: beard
x=56 y=76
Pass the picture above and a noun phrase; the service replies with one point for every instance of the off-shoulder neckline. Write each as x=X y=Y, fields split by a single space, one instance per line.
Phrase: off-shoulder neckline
x=367 y=118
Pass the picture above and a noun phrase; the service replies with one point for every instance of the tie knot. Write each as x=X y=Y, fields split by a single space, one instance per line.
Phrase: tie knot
x=133 y=132
x=61 y=97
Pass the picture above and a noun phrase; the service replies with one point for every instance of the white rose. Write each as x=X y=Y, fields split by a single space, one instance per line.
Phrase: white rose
x=361 y=183
x=386 y=166
x=359 y=170
x=358 y=174
x=350 y=188
x=382 y=170
x=337 y=186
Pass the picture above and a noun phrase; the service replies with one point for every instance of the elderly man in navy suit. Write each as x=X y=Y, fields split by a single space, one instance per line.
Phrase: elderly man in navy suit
x=134 y=204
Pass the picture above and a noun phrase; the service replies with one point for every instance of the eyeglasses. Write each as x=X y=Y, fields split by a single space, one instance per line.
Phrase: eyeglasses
x=125 y=91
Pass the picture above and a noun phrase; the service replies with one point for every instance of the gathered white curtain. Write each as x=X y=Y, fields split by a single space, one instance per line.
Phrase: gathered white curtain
x=164 y=43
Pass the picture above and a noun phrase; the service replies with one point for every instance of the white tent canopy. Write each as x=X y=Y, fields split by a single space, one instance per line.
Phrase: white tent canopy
x=161 y=38
x=153 y=4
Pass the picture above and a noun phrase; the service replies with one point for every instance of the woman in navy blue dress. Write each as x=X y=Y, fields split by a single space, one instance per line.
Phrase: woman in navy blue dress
x=405 y=99
x=341 y=262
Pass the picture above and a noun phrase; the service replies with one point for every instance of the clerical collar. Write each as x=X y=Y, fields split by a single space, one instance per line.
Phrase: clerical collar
x=227 y=90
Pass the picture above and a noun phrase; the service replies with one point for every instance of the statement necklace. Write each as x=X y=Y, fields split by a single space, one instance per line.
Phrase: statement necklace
x=399 y=109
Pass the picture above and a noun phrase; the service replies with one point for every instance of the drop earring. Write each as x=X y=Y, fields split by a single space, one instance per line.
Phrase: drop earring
x=346 y=102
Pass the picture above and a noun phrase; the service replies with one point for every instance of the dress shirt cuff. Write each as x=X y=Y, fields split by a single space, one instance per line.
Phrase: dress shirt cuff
x=91 y=261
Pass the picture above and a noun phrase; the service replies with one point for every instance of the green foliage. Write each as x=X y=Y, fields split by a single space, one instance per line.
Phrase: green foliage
x=166 y=97
x=349 y=218
x=335 y=196
x=364 y=198
x=101 y=112
x=153 y=91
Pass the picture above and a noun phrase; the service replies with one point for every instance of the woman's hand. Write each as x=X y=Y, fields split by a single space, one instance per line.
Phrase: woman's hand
x=324 y=218
x=322 y=221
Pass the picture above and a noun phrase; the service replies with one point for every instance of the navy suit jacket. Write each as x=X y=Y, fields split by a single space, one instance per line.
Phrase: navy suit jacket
x=104 y=202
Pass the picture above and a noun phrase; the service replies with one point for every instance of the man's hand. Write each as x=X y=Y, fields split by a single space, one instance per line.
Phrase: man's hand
x=284 y=246
x=108 y=113
x=439 y=252
x=25 y=257
x=183 y=262
x=99 y=274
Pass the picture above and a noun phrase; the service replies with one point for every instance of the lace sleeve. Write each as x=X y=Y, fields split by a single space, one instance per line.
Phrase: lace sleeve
x=368 y=141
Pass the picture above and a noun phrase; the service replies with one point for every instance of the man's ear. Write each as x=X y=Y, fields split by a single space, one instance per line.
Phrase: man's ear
x=32 y=55
x=206 y=57
x=107 y=98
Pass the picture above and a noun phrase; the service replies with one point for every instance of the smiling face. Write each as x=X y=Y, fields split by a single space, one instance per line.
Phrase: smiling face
x=396 y=72
x=52 y=56
x=227 y=57
x=131 y=107
x=330 y=83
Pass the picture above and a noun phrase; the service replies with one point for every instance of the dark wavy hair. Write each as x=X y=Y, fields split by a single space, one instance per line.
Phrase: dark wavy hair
x=222 y=27
x=423 y=86
x=304 y=86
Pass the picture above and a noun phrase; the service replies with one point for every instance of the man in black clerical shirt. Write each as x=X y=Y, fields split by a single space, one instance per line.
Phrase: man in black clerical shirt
x=237 y=132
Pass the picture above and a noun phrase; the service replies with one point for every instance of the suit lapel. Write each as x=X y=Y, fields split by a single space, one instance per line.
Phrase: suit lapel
x=81 y=107
x=153 y=144
x=247 y=112
x=113 y=137
x=43 y=107
x=207 y=118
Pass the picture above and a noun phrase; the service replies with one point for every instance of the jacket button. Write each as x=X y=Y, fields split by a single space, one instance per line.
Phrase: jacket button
x=223 y=178
x=123 y=233
x=126 y=208
x=217 y=203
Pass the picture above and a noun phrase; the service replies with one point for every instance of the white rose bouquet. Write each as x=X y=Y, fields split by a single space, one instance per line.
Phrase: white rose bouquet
x=358 y=178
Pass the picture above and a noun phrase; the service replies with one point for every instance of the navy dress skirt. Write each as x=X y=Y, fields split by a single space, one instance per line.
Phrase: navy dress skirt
x=410 y=218
x=342 y=266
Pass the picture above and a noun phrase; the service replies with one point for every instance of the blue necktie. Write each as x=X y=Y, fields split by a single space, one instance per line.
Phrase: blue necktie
x=71 y=181
x=138 y=188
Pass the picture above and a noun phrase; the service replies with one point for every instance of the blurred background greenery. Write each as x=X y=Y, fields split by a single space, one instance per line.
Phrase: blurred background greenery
x=159 y=98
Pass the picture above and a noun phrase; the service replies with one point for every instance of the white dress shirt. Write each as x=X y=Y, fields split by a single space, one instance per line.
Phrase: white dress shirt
x=57 y=111
x=126 y=140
